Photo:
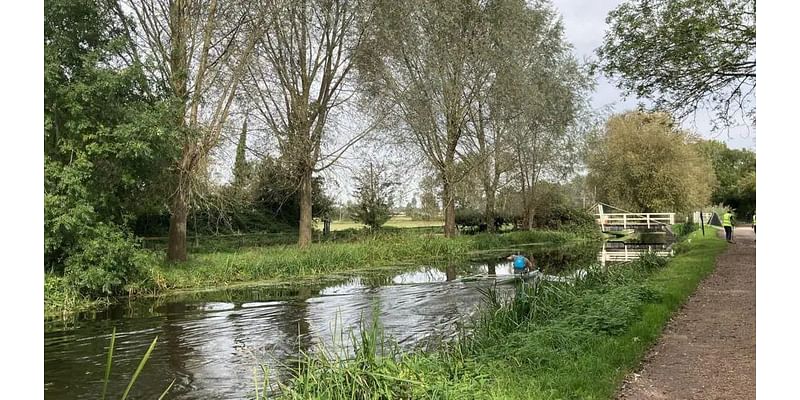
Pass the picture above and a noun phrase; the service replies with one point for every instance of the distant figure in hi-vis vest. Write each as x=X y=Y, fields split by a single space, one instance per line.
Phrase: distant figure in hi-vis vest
x=754 y=222
x=727 y=223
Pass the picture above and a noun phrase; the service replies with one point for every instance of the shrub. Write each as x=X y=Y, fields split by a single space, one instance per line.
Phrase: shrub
x=103 y=263
x=562 y=217
x=469 y=219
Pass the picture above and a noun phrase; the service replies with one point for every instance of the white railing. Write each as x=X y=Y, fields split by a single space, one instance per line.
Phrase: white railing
x=630 y=219
x=625 y=254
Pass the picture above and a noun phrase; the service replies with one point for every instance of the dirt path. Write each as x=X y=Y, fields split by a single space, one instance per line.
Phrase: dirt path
x=708 y=349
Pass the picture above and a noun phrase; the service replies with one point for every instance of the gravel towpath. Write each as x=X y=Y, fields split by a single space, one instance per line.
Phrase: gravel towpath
x=708 y=349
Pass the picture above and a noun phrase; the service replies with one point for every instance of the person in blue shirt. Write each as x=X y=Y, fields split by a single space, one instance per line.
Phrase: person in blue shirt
x=522 y=265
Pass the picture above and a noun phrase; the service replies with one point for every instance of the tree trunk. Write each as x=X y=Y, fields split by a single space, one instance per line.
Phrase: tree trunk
x=489 y=212
x=449 y=211
x=176 y=247
x=305 y=210
x=529 y=222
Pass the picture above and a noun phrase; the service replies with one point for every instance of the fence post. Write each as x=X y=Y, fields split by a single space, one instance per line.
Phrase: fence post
x=648 y=220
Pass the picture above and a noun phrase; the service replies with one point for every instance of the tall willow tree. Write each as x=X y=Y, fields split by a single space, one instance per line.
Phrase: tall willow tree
x=524 y=118
x=197 y=51
x=425 y=64
x=300 y=77
x=646 y=163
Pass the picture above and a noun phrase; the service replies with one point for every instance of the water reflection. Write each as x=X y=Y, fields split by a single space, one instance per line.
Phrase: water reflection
x=211 y=342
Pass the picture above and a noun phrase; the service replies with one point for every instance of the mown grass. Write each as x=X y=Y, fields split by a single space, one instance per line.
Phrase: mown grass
x=551 y=341
x=289 y=261
x=394 y=222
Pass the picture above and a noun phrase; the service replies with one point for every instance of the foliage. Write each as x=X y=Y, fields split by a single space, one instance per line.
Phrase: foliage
x=565 y=217
x=241 y=167
x=685 y=54
x=735 y=171
x=683 y=230
x=428 y=200
x=107 y=146
x=106 y=262
x=358 y=251
x=469 y=218
x=645 y=163
x=276 y=191
x=374 y=195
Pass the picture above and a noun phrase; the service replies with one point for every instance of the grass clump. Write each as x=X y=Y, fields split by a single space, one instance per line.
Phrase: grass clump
x=549 y=341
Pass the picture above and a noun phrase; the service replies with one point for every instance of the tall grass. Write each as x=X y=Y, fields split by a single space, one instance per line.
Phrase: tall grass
x=281 y=262
x=139 y=368
x=550 y=341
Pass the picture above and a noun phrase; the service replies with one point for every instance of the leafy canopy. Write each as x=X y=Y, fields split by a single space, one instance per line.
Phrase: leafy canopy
x=645 y=163
x=684 y=54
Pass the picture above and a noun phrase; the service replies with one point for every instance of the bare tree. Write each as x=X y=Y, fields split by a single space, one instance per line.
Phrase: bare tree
x=422 y=64
x=300 y=77
x=196 y=51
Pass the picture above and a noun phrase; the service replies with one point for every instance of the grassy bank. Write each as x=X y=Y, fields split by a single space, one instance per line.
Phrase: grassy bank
x=287 y=262
x=61 y=299
x=552 y=341
x=281 y=263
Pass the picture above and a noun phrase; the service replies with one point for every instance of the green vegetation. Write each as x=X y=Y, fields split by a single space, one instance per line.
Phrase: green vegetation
x=551 y=341
x=685 y=55
x=385 y=249
x=355 y=250
x=375 y=190
x=644 y=162
x=394 y=222
x=736 y=177
x=135 y=377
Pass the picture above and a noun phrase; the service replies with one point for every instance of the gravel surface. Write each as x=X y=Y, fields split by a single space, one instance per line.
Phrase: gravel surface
x=708 y=349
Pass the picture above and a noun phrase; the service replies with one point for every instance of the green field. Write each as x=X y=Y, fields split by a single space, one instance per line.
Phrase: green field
x=394 y=222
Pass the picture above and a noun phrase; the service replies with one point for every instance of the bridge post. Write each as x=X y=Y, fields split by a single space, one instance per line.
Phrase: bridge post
x=602 y=222
x=648 y=220
x=624 y=221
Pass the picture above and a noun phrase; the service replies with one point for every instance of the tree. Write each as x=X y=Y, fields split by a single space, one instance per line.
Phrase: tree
x=107 y=144
x=196 y=53
x=301 y=77
x=735 y=172
x=275 y=191
x=645 y=163
x=429 y=199
x=375 y=191
x=422 y=64
x=241 y=167
x=684 y=54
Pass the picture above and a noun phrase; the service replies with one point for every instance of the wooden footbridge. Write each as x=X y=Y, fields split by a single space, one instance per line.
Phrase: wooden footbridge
x=616 y=221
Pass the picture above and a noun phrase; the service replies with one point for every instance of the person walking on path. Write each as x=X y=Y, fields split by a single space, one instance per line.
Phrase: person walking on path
x=727 y=224
x=754 y=222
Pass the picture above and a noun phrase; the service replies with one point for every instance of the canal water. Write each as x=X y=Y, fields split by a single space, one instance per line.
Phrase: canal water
x=210 y=343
